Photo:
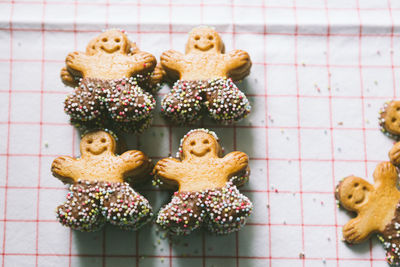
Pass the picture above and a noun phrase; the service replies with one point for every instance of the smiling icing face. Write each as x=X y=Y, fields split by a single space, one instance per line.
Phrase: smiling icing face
x=354 y=192
x=97 y=143
x=204 y=39
x=200 y=144
x=109 y=42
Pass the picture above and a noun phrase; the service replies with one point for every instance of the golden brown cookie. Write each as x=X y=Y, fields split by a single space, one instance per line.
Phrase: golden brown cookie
x=99 y=190
x=111 y=80
x=377 y=208
x=108 y=56
x=390 y=119
x=205 y=59
x=205 y=80
x=206 y=183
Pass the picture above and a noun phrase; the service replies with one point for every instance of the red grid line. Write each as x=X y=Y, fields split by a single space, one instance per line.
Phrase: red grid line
x=8 y=136
x=331 y=130
x=298 y=132
x=269 y=251
x=40 y=135
x=196 y=5
x=222 y=32
x=362 y=99
x=193 y=257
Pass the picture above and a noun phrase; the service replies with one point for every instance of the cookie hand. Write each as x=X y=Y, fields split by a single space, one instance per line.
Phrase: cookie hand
x=171 y=60
x=168 y=168
x=353 y=233
x=385 y=173
x=133 y=159
x=235 y=161
x=76 y=61
x=64 y=168
x=144 y=61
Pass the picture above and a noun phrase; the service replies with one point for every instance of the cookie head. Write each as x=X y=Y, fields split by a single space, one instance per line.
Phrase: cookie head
x=200 y=144
x=390 y=118
x=97 y=143
x=204 y=39
x=353 y=192
x=109 y=42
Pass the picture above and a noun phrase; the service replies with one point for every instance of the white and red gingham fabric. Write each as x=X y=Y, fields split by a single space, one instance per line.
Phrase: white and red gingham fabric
x=321 y=71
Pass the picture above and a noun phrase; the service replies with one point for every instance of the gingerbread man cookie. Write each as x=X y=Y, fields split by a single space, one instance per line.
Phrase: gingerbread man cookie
x=100 y=190
x=207 y=193
x=389 y=119
x=112 y=73
x=206 y=76
x=377 y=206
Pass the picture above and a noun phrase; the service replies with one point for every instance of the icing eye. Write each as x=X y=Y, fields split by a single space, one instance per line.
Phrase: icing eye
x=393 y=119
x=192 y=143
x=104 y=39
x=90 y=141
x=103 y=140
x=398 y=108
x=205 y=141
x=117 y=40
x=356 y=184
x=212 y=46
x=364 y=188
x=210 y=37
x=350 y=196
x=93 y=47
x=197 y=37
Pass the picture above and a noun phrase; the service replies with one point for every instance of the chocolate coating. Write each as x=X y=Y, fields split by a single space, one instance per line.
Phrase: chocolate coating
x=390 y=239
x=90 y=204
x=119 y=104
x=219 y=98
x=222 y=211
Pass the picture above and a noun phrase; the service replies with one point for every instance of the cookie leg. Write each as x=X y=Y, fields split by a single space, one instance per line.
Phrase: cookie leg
x=126 y=102
x=225 y=102
x=81 y=211
x=227 y=209
x=183 y=104
x=183 y=214
x=85 y=103
x=124 y=207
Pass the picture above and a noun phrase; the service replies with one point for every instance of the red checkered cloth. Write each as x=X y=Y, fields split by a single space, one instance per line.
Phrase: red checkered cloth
x=321 y=71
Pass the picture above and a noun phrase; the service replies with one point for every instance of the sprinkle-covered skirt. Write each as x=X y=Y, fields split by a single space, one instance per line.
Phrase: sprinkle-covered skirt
x=222 y=211
x=219 y=98
x=90 y=204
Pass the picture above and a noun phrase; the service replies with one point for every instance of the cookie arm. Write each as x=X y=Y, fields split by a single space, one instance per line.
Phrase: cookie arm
x=169 y=168
x=131 y=162
x=142 y=61
x=66 y=169
x=238 y=64
x=358 y=229
x=171 y=61
x=235 y=162
x=386 y=175
x=76 y=62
